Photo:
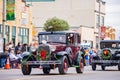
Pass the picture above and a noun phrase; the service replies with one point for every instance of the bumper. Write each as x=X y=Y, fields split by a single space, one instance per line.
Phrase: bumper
x=117 y=55
x=42 y=62
x=106 y=61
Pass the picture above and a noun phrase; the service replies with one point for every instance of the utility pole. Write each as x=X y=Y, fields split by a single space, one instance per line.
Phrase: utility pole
x=3 y=22
x=99 y=31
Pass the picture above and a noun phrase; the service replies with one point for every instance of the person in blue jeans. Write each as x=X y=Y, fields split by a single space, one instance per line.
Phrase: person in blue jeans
x=3 y=58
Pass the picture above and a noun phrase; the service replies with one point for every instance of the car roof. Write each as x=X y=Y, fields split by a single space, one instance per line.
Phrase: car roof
x=110 y=41
x=56 y=32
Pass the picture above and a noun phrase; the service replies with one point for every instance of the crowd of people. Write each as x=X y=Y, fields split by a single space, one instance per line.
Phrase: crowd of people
x=14 y=53
x=88 y=54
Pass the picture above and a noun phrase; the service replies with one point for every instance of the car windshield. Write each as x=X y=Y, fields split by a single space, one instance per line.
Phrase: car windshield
x=110 y=45
x=53 y=38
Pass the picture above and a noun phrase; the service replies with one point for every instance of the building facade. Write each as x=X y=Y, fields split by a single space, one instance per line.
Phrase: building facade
x=18 y=24
x=84 y=16
x=110 y=33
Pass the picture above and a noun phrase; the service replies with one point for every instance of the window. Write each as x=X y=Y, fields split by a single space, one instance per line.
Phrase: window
x=14 y=34
x=53 y=38
x=23 y=35
x=78 y=38
x=0 y=28
x=70 y=39
x=102 y=21
x=13 y=31
x=7 y=31
x=84 y=41
x=97 y=20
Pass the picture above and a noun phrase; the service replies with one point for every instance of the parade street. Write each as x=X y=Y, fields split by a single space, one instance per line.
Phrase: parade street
x=111 y=73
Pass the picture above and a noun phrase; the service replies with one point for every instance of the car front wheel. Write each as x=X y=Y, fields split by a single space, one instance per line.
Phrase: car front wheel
x=46 y=70
x=26 y=69
x=103 y=67
x=63 y=67
x=93 y=66
x=119 y=66
x=80 y=69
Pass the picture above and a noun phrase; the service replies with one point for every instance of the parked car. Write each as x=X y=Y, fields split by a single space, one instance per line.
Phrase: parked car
x=58 y=49
x=109 y=55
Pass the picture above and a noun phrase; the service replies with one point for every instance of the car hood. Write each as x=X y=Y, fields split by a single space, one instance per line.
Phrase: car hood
x=58 y=46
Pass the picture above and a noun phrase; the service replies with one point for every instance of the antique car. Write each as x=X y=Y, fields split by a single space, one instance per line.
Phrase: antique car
x=108 y=55
x=57 y=49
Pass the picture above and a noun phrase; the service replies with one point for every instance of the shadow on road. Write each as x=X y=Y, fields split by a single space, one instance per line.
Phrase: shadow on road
x=107 y=70
x=53 y=74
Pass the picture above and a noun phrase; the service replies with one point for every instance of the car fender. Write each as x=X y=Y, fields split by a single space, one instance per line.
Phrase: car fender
x=68 y=50
x=78 y=56
x=25 y=54
x=62 y=53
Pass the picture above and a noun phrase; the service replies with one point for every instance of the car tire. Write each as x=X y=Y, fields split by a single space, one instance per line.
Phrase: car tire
x=103 y=67
x=46 y=70
x=119 y=66
x=80 y=69
x=63 y=67
x=26 y=69
x=93 y=66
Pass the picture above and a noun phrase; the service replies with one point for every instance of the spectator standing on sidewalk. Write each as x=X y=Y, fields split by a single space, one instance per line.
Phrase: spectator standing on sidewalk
x=87 y=56
x=25 y=48
x=18 y=48
x=3 y=57
x=10 y=46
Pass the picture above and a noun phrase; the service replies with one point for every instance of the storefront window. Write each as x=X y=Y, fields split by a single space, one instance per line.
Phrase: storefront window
x=23 y=35
x=7 y=31
x=14 y=34
x=0 y=28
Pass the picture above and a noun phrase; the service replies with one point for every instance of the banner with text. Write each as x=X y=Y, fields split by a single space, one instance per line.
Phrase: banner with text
x=10 y=9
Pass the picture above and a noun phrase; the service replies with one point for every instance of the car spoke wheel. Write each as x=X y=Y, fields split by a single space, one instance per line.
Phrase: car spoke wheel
x=26 y=69
x=63 y=67
x=103 y=67
x=119 y=66
x=93 y=66
x=80 y=69
x=46 y=70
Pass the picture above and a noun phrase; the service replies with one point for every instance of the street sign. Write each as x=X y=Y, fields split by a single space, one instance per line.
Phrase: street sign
x=102 y=33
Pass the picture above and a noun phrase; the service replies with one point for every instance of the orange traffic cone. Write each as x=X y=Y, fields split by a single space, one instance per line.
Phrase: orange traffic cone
x=7 y=65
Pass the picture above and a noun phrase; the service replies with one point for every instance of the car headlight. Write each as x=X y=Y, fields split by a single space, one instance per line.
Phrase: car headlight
x=33 y=49
x=53 y=48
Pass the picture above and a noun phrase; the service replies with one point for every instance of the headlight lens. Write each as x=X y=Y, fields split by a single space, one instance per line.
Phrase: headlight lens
x=33 y=49
x=53 y=48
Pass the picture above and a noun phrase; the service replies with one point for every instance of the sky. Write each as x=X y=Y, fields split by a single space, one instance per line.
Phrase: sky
x=112 y=13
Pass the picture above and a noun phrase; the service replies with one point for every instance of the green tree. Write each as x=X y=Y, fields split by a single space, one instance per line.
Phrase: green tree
x=55 y=24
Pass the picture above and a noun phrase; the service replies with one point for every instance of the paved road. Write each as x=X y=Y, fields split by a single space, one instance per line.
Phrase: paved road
x=111 y=73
